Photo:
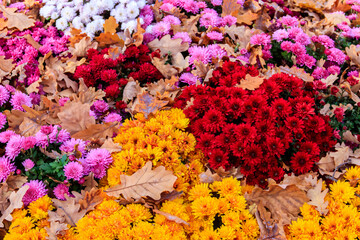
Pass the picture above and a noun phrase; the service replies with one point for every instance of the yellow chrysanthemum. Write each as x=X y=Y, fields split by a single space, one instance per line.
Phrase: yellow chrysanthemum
x=138 y=212
x=251 y=228
x=342 y=191
x=142 y=230
x=19 y=213
x=353 y=174
x=302 y=229
x=237 y=202
x=204 y=207
x=231 y=219
x=21 y=225
x=200 y=190
x=223 y=205
x=228 y=186
x=39 y=208
x=226 y=232
x=209 y=234
x=177 y=208
x=309 y=212
x=331 y=224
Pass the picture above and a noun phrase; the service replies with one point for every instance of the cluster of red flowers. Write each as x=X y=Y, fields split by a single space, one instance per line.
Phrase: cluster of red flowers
x=258 y=130
x=112 y=73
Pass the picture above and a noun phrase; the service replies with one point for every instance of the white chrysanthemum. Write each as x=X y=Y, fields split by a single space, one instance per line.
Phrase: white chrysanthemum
x=120 y=14
x=132 y=10
x=94 y=27
x=78 y=2
x=91 y=9
x=130 y=25
x=105 y=5
x=55 y=15
x=141 y=3
x=149 y=29
x=61 y=23
x=123 y=1
x=68 y=13
x=76 y=22
x=47 y=10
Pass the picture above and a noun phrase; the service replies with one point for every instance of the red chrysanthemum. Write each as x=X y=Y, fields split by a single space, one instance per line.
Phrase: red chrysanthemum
x=218 y=159
x=214 y=120
x=301 y=162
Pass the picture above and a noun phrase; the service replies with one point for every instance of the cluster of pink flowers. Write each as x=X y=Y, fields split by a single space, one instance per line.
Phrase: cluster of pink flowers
x=23 y=53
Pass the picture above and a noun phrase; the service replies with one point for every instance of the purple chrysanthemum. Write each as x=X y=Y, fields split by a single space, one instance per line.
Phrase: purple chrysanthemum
x=14 y=146
x=99 y=156
x=60 y=191
x=73 y=170
x=101 y=106
x=28 y=164
x=4 y=95
x=113 y=117
x=36 y=190
x=6 y=167
x=69 y=146
x=19 y=99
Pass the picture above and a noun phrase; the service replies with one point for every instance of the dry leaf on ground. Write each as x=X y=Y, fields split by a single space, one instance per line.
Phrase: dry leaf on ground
x=317 y=198
x=171 y=217
x=16 y=20
x=250 y=83
x=168 y=45
x=144 y=182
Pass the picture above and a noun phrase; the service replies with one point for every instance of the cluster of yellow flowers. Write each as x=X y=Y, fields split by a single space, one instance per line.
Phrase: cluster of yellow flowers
x=343 y=218
x=161 y=139
x=30 y=223
x=208 y=211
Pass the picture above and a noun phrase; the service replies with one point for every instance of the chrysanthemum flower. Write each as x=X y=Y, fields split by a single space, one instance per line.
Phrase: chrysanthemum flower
x=204 y=208
x=28 y=164
x=36 y=190
x=5 y=136
x=14 y=146
x=39 y=208
x=2 y=120
x=6 y=167
x=60 y=191
x=73 y=170
x=19 y=99
x=4 y=95
x=342 y=191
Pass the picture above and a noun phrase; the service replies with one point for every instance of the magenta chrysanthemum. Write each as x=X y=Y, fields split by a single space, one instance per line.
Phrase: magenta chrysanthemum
x=101 y=106
x=200 y=54
x=19 y=99
x=99 y=156
x=213 y=35
x=2 y=120
x=28 y=164
x=113 y=117
x=6 y=167
x=5 y=136
x=73 y=170
x=36 y=190
x=69 y=146
x=14 y=146
x=4 y=95
x=60 y=191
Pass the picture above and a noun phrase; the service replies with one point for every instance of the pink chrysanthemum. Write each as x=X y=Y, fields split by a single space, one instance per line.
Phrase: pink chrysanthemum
x=2 y=120
x=216 y=2
x=188 y=78
x=216 y=51
x=14 y=146
x=260 y=39
x=184 y=36
x=28 y=164
x=60 y=191
x=113 y=117
x=99 y=156
x=42 y=139
x=280 y=35
x=336 y=55
x=73 y=170
x=161 y=28
x=213 y=35
x=200 y=54
x=63 y=100
x=69 y=146
x=229 y=20
x=210 y=19
x=29 y=142
x=101 y=106
x=99 y=171
x=5 y=136
x=19 y=99
x=289 y=21
x=36 y=190
x=6 y=167
x=4 y=95
x=59 y=135
x=172 y=20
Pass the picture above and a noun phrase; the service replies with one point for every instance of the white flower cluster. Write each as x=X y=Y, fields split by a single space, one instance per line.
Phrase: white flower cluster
x=88 y=15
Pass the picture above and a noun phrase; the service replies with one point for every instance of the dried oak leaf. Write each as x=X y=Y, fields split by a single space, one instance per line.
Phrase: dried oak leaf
x=29 y=127
x=146 y=104
x=90 y=182
x=188 y=25
x=16 y=20
x=168 y=45
x=317 y=198
x=171 y=217
x=89 y=199
x=230 y=7
x=250 y=83
x=16 y=117
x=15 y=199
x=131 y=90
x=336 y=18
x=241 y=34
x=6 y=66
x=297 y=72
x=72 y=64
x=144 y=182
x=110 y=25
x=80 y=48
x=75 y=116
x=278 y=205
x=97 y=131
x=111 y=146
x=248 y=17
x=138 y=36
x=332 y=160
x=55 y=229
x=166 y=70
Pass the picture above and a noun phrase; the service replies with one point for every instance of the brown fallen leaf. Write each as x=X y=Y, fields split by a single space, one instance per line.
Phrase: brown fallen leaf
x=55 y=229
x=90 y=182
x=15 y=199
x=16 y=20
x=80 y=48
x=166 y=70
x=171 y=217
x=110 y=25
x=98 y=131
x=168 y=45
x=6 y=66
x=297 y=72
x=250 y=83
x=111 y=146
x=230 y=7
x=131 y=90
x=144 y=182
x=147 y=104
x=29 y=127
x=248 y=17
x=75 y=117
x=336 y=18
x=278 y=205
x=317 y=198
x=332 y=160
